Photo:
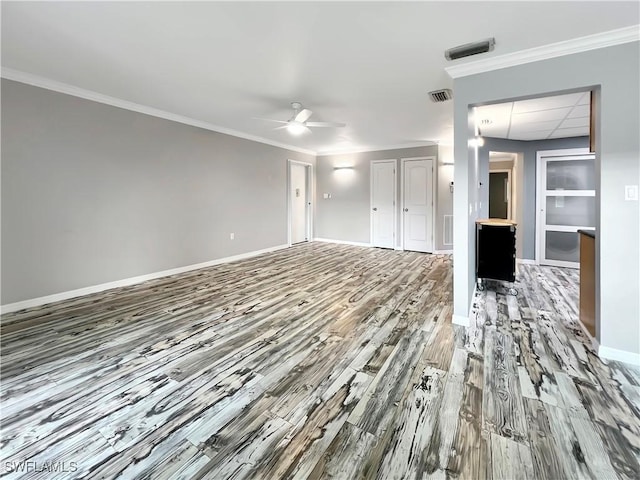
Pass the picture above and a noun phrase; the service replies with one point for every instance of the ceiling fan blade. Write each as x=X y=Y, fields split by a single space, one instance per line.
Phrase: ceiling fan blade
x=325 y=124
x=303 y=115
x=270 y=120
x=281 y=127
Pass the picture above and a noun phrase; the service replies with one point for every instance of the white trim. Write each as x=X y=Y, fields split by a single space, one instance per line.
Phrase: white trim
x=342 y=242
x=542 y=157
x=395 y=200
x=403 y=162
x=310 y=198
x=568 y=229
x=526 y=261
x=443 y=252
x=559 y=49
x=42 y=82
x=619 y=355
x=382 y=148
x=570 y=193
x=460 y=320
x=56 y=297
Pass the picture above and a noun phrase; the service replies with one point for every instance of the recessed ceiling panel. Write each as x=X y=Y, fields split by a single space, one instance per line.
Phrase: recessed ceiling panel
x=546 y=103
x=580 y=111
x=575 y=122
x=540 y=116
x=570 y=132
x=520 y=127
x=532 y=135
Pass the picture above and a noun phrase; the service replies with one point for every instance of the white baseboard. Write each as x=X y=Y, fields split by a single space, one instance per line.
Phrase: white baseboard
x=526 y=261
x=619 y=355
x=461 y=320
x=56 y=297
x=342 y=242
x=443 y=252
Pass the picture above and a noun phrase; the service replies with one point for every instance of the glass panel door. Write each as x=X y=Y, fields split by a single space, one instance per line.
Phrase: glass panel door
x=566 y=200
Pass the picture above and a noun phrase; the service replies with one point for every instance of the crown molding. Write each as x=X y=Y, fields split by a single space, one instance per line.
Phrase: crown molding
x=364 y=149
x=46 y=83
x=567 y=47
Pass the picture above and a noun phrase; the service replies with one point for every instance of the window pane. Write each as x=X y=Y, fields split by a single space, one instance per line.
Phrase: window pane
x=564 y=246
x=571 y=175
x=571 y=211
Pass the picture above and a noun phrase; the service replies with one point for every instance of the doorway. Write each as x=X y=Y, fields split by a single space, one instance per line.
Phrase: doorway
x=505 y=192
x=566 y=195
x=500 y=194
x=383 y=203
x=417 y=204
x=299 y=193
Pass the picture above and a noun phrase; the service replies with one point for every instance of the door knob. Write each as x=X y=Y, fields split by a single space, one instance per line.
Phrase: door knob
x=406 y=209
x=375 y=209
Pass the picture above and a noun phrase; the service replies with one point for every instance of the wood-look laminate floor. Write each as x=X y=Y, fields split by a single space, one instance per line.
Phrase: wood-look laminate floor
x=319 y=361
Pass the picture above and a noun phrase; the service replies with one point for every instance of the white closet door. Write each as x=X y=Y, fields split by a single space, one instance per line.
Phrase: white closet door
x=417 y=209
x=383 y=203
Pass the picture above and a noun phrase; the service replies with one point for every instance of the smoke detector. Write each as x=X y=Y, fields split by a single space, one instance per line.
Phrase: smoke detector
x=443 y=95
x=469 y=49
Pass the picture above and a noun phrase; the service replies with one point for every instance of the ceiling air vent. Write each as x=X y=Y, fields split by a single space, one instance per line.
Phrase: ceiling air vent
x=441 y=95
x=470 y=49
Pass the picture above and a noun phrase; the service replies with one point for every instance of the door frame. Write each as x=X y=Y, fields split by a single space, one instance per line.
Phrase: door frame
x=310 y=199
x=395 y=199
x=509 y=191
x=541 y=157
x=403 y=162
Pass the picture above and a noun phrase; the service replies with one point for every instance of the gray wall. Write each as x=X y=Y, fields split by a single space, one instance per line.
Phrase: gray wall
x=346 y=215
x=444 y=205
x=614 y=72
x=93 y=193
x=529 y=150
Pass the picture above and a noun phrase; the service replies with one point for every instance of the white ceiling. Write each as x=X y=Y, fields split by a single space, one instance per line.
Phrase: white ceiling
x=559 y=116
x=369 y=65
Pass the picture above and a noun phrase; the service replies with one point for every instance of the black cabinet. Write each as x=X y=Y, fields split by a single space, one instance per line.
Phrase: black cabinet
x=496 y=250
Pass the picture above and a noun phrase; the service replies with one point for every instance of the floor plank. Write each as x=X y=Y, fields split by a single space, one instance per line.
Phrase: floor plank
x=318 y=361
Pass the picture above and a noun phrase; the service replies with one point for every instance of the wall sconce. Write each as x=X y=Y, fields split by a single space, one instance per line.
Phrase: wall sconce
x=342 y=168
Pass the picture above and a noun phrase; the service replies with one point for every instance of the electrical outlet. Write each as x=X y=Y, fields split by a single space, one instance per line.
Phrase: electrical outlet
x=631 y=192
x=232 y=236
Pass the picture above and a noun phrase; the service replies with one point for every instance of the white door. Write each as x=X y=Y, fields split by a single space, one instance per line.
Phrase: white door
x=566 y=198
x=299 y=202
x=417 y=203
x=383 y=203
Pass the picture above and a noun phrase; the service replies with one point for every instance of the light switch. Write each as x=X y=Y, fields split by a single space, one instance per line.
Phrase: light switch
x=326 y=195
x=631 y=192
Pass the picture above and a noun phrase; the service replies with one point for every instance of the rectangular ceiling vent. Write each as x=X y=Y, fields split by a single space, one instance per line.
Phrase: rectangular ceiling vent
x=469 y=49
x=441 y=95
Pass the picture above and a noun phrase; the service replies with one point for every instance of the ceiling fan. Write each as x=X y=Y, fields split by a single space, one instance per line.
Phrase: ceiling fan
x=298 y=123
